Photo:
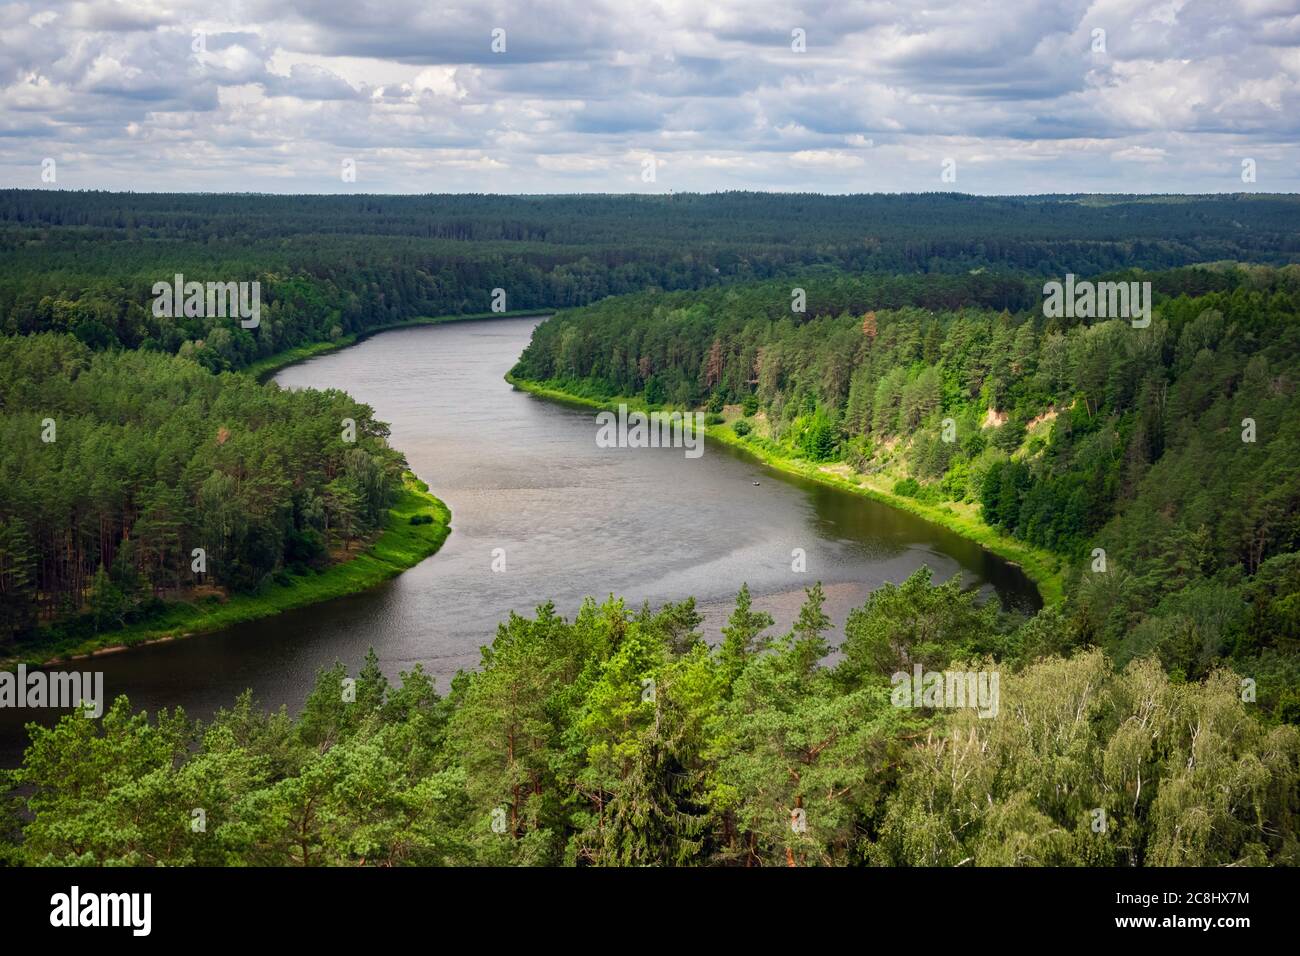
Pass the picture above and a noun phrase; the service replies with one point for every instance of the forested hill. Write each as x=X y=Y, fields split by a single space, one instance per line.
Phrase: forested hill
x=84 y=263
x=1174 y=449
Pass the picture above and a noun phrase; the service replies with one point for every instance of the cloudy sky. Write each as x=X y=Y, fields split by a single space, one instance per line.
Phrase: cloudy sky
x=592 y=96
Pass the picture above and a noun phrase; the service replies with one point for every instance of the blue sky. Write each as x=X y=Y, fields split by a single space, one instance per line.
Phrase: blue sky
x=1022 y=97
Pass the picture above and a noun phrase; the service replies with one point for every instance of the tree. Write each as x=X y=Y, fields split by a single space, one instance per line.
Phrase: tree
x=799 y=760
x=742 y=637
x=17 y=566
x=915 y=622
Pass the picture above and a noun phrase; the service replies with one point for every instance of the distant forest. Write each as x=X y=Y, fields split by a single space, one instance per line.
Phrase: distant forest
x=84 y=263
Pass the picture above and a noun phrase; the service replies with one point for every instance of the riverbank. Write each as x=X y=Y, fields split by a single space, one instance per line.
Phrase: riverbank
x=400 y=545
x=1044 y=568
x=263 y=369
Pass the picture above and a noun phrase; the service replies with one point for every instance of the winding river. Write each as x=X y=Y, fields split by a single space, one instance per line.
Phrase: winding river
x=524 y=475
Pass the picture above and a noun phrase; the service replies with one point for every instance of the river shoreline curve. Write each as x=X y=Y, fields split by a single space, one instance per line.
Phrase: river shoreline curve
x=1042 y=567
x=400 y=545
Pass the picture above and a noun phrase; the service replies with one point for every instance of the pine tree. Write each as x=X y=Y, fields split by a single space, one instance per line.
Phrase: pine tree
x=741 y=637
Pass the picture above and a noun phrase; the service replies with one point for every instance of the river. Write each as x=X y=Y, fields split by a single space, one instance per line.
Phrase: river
x=524 y=475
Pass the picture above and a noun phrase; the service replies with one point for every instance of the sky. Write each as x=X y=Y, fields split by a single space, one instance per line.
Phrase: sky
x=420 y=96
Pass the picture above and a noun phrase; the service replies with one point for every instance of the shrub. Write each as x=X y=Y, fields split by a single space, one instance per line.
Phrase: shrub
x=1009 y=436
x=859 y=453
x=816 y=437
x=742 y=427
x=908 y=487
x=954 y=484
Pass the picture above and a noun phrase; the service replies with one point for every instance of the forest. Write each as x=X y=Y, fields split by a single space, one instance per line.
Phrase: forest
x=117 y=465
x=83 y=263
x=1149 y=717
x=1173 y=449
x=619 y=738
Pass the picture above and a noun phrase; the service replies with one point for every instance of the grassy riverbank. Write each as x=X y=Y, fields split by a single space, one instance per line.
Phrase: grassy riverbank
x=1043 y=568
x=265 y=368
x=398 y=546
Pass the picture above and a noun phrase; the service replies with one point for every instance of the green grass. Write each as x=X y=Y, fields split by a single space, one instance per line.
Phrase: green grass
x=1043 y=567
x=263 y=369
x=400 y=545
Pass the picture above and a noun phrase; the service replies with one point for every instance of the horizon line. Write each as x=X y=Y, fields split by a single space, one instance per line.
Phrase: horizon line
x=654 y=195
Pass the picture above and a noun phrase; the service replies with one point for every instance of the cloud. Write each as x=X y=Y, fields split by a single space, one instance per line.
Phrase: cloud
x=308 y=82
x=826 y=158
x=1027 y=95
x=1139 y=154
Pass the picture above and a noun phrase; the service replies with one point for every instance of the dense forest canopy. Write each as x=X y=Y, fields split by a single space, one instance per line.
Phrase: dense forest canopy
x=1250 y=221
x=84 y=262
x=117 y=465
x=554 y=753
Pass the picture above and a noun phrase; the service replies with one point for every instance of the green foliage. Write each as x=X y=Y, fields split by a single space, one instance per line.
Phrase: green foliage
x=1130 y=426
x=620 y=739
x=815 y=437
x=917 y=622
x=1099 y=768
x=153 y=456
x=1070 y=435
x=907 y=487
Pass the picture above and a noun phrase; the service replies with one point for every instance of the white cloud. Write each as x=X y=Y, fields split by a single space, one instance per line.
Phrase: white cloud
x=1139 y=154
x=572 y=163
x=826 y=158
x=440 y=81
x=586 y=88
